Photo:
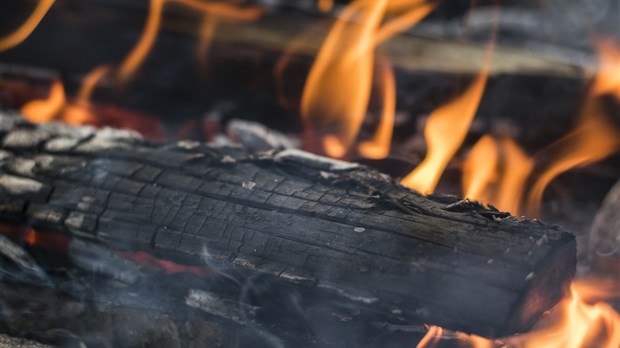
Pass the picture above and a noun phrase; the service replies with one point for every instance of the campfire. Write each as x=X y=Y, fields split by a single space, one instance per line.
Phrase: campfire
x=356 y=173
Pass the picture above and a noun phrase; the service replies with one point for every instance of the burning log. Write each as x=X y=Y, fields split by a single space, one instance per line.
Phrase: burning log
x=347 y=241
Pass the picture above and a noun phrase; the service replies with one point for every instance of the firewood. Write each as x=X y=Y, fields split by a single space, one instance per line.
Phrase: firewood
x=342 y=236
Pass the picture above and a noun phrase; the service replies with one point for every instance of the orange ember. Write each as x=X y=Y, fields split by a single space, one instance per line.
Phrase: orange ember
x=39 y=111
x=22 y=33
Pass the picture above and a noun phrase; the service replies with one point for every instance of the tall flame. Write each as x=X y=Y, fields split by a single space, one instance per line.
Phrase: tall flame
x=595 y=137
x=496 y=172
x=445 y=131
x=517 y=168
x=22 y=33
x=480 y=168
x=379 y=146
x=45 y=110
x=338 y=86
x=135 y=58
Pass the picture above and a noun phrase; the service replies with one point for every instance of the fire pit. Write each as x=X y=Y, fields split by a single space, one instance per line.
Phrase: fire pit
x=392 y=173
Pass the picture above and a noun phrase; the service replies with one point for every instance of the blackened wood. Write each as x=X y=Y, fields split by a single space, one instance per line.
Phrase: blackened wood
x=341 y=234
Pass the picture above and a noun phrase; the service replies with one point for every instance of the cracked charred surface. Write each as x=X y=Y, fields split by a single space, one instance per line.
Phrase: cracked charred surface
x=347 y=239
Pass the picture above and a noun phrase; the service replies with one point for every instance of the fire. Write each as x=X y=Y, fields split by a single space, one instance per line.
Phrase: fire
x=595 y=137
x=338 y=87
x=22 y=33
x=153 y=22
x=517 y=168
x=445 y=131
x=379 y=146
x=573 y=323
x=325 y=5
x=39 y=111
x=480 y=168
x=496 y=172
x=431 y=338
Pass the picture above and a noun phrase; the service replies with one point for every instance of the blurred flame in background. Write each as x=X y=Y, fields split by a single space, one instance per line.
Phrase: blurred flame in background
x=338 y=87
x=595 y=137
x=22 y=33
x=335 y=101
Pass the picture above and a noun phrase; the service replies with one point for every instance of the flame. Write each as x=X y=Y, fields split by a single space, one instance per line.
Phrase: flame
x=573 y=323
x=480 y=168
x=79 y=112
x=379 y=146
x=432 y=337
x=45 y=110
x=608 y=77
x=496 y=172
x=22 y=33
x=404 y=21
x=594 y=138
x=517 y=168
x=325 y=5
x=205 y=36
x=445 y=131
x=133 y=61
x=338 y=87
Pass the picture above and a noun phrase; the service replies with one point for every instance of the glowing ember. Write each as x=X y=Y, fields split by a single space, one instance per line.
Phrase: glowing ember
x=39 y=111
x=22 y=33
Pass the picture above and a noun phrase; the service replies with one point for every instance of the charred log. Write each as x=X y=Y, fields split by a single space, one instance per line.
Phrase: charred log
x=354 y=247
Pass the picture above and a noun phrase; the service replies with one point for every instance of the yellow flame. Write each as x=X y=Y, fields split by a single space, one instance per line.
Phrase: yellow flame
x=379 y=146
x=45 y=110
x=22 y=33
x=608 y=77
x=79 y=112
x=517 y=168
x=325 y=5
x=594 y=138
x=445 y=131
x=432 y=337
x=403 y=21
x=480 y=168
x=135 y=58
x=338 y=86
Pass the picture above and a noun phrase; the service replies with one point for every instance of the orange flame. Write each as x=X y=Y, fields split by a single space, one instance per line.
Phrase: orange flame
x=45 y=110
x=338 y=87
x=432 y=337
x=379 y=146
x=445 y=131
x=517 y=168
x=325 y=5
x=404 y=21
x=79 y=112
x=573 y=323
x=480 y=168
x=22 y=33
x=133 y=61
x=496 y=173
x=595 y=137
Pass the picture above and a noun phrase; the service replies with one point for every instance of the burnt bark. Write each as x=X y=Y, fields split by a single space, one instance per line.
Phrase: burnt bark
x=343 y=237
